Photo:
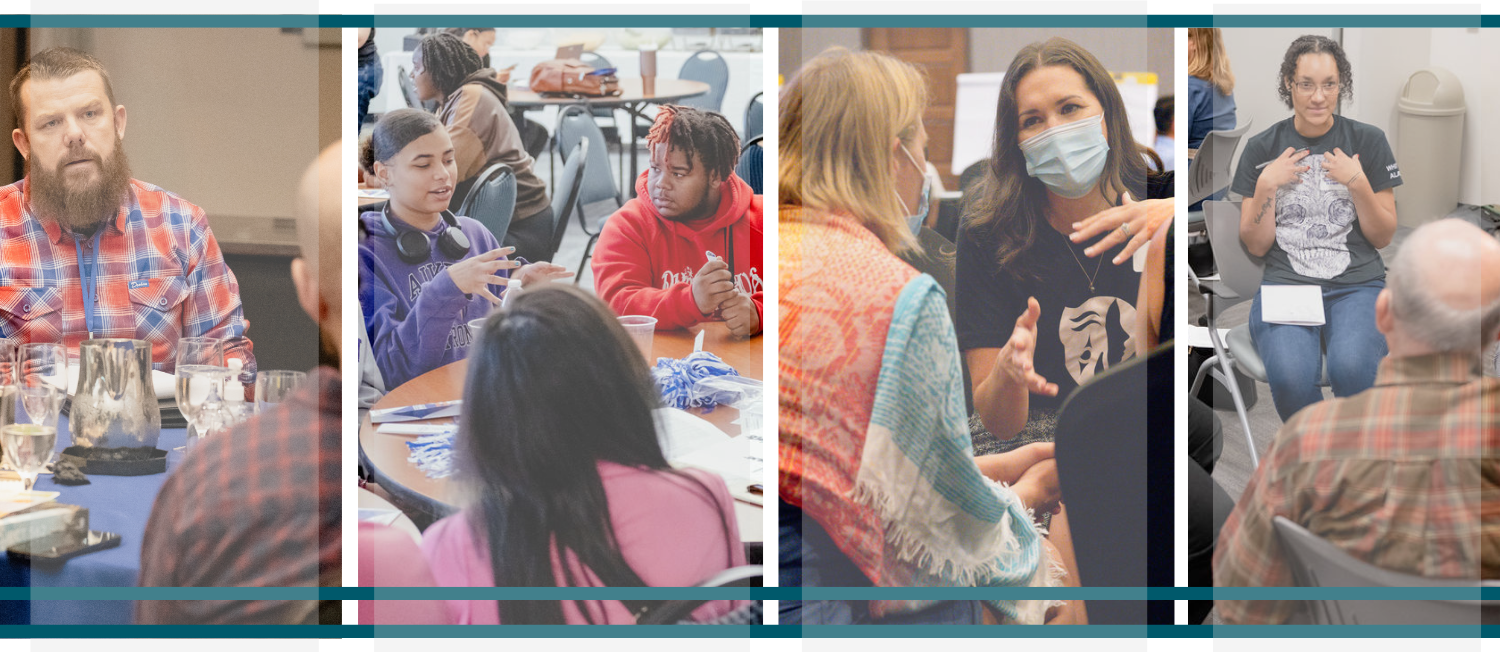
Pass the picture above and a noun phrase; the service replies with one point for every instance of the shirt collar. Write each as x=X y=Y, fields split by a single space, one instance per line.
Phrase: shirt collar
x=57 y=235
x=1451 y=368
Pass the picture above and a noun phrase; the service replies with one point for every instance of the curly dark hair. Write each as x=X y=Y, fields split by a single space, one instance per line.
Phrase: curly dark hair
x=703 y=135
x=448 y=60
x=1313 y=44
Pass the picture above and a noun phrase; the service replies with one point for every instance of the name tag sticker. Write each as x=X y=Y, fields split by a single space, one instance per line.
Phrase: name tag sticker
x=139 y=284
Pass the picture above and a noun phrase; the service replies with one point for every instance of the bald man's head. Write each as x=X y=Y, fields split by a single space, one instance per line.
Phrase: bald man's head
x=1443 y=291
x=317 y=272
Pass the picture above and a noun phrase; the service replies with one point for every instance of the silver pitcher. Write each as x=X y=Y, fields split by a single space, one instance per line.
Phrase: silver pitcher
x=115 y=405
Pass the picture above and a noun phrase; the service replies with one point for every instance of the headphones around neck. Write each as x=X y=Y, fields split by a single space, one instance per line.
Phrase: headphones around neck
x=414 y=246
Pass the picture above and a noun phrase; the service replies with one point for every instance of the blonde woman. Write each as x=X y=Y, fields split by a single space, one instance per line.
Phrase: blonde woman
x=878 y=481
x=1210 y=85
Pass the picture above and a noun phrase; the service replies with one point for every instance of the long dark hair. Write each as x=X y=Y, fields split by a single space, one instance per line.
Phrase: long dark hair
x=555 y=386
x=448 y=61
x=1012 y=204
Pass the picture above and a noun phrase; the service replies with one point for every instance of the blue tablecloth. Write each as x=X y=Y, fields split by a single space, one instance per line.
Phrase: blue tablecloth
x=116 y=504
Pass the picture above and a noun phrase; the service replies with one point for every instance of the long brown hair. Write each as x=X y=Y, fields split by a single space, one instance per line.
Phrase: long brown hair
x=1012 y=204
x=1211 y=63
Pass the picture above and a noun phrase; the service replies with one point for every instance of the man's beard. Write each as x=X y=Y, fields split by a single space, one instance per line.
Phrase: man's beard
x=700 y=211
x=81 y=204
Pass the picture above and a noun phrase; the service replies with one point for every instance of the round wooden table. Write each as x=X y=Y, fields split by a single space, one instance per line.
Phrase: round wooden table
x=632 y=99
x=388 y=453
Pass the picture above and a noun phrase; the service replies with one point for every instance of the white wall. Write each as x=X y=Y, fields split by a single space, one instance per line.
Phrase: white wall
x=227 y=118
x=1382 y=60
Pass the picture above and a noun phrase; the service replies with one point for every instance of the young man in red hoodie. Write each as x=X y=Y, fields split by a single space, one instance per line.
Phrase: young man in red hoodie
x=688 y=248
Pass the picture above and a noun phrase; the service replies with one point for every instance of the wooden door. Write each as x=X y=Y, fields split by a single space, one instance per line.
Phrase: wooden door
x=942 y=54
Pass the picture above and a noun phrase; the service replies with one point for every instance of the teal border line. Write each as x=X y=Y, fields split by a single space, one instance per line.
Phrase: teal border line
x=741 y=593
x=749 y=631
x=757 y=20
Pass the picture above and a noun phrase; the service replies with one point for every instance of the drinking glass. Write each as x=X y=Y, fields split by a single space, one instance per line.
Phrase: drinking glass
x=272 y=387
x=195 y=352
x=44 y=364
x=29 y=447
x=201 y=398
x=42 y=403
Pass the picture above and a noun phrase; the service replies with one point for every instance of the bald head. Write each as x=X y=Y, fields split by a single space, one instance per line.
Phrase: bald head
x=1443 y=291
x=317 y=273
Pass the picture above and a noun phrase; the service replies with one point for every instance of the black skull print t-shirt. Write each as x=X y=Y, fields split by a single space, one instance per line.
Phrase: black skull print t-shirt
x=1318 y=239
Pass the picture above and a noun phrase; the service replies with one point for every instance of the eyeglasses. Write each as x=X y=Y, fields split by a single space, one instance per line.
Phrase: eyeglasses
x=1307 y=87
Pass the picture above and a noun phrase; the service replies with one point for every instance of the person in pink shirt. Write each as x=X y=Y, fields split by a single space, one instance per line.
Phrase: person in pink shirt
x=389 y=557
x=557 y=446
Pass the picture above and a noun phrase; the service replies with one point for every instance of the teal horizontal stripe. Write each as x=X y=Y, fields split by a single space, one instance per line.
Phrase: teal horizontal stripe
x=1322 y=20
x=958 y=20
x=742 y=593
x=574 y=20
x=194 y=20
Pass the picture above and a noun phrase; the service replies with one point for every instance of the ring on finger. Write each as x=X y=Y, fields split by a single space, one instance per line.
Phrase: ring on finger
x=1125 y=229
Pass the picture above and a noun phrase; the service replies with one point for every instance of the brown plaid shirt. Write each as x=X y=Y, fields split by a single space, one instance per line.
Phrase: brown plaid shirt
x=257 y=506
x=1395 y=475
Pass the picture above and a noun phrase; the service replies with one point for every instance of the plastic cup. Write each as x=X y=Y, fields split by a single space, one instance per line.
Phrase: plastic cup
x=642 y=329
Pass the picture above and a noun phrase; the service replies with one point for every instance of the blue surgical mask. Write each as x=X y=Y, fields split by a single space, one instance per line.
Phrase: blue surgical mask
x=915 y=221
x=1068 y=158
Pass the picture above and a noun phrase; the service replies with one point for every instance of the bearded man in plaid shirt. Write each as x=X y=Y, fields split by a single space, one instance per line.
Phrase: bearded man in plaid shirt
x=85 y=250
x=1405 y=475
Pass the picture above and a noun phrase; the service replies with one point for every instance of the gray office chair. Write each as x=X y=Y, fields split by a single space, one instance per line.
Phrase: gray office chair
x=492 y=199
x=1316 y=562
x=673 y=611
x=565 y=202
x=1239 y=279
x=708 y=67
x=751 y=166
x=611 y=130
x=755 y=116
x=1212 y=162
x=575 y=123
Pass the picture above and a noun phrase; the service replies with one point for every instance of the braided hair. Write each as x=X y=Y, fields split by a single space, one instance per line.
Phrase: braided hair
x=701 y=135
x=448 y=61
x=1314 y=44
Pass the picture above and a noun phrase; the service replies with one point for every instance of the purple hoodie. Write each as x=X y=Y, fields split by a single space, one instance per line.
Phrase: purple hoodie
x=417 y=318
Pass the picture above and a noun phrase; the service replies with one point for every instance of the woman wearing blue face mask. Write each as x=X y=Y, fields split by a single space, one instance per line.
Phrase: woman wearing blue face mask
x=1065 y=170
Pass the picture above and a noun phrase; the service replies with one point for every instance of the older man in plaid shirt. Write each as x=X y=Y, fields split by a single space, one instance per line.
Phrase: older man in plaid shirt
x=85 y=250
x=1403 y=474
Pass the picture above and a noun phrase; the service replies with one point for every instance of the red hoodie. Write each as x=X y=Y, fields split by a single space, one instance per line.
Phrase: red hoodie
x=644 y=263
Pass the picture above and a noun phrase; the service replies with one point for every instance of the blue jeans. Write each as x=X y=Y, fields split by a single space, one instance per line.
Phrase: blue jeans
x=1294 y=354
x=809 y=557
x=370 y=78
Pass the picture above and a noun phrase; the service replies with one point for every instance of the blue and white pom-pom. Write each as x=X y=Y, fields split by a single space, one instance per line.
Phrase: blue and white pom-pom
x=675 y=378
x=433 y=454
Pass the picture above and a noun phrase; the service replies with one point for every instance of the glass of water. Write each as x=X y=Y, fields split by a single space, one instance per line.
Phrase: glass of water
x=273 y=387
x=42 y=403
x=29 y=447
x=201 y=397
x=44 y=365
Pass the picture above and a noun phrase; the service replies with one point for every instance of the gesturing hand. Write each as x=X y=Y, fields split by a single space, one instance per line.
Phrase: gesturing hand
x=1284 y=170
x=1132 y=222
x=1341 y=168
x=1014 y=364
x=541 y=272
x=740 y=315
x=475 y=274
x=712 y=285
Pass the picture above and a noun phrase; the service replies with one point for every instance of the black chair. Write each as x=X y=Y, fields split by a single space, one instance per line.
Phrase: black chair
x=1108 y=431
x=752 y=165
x=492 y=199
x=708 y=67
x=575 y=123
x=409 y=91
x=564 y=203
x=673 y=611
x=755 y=117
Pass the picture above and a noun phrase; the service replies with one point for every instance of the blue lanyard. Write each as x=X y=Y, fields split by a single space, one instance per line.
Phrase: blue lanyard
x=89 y=279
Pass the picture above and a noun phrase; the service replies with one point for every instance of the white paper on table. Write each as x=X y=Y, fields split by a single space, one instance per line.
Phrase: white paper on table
x=1198 y=337
x=417 y=429
x=682 y=433
x=741 y=461
x=14 y=499
x=379 y=516
x=1295 y=305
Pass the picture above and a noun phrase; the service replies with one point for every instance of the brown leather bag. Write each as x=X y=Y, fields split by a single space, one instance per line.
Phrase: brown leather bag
x=572 y=77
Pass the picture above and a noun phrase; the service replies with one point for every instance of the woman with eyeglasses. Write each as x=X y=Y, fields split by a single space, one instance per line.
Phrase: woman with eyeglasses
x=1319 y=203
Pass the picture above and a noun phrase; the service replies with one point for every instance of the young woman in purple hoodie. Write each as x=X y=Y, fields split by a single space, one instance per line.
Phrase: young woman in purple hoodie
x=424 y=273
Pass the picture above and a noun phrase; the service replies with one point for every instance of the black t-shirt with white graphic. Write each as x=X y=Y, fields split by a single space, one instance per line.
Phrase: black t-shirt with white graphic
x=1080 y=332
x=1318 y=240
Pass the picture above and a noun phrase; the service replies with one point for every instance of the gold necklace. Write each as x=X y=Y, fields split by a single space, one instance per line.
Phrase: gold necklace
x=1085 y=270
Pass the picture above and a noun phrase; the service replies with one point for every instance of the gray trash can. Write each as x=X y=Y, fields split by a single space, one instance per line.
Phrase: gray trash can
x=1429 y=146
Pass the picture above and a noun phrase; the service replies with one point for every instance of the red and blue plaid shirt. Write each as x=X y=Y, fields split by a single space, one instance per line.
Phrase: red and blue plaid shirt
x=160 y=276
